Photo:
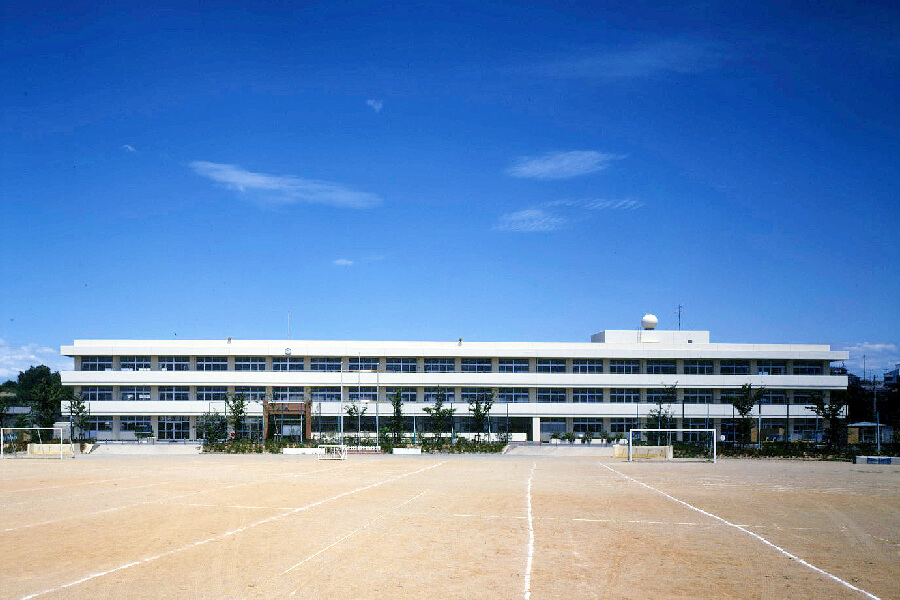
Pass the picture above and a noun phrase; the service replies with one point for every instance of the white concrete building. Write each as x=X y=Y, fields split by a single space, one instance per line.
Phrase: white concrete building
x=608 y=384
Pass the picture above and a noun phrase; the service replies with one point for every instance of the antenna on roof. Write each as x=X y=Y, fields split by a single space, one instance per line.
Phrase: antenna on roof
x=680 y=306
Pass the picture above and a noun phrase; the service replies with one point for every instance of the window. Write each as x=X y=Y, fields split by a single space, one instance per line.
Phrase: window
x=94 y=394
x=472 y=394
x=212 y=394
x=551 y=395
x=698 y=367
x=362 y=394
x=432 y=392
x=803 y=397
x=587 y=425
x=407 y=394
x=364 y=363
x=698 y=397
x=587 y=395
x=551 y=365
x=509 y=395
x=401 y=365
x=174 y=363
x=134 y=363
x=627 y=367
x=807 y=367
x=249 y=363
x=251 y=394
x=96 y=363
x=727 y=396
x=696 y=424
x=773 y=397
x=513 y=365
x=135 y=423
x=287 y=394
x=174 y=427
x=324 y=363
x=287 y=363
x=661 y=367
x=134 y=393
x=179 y=394
x=440 y=365
x=623 y=425
x=212 y=363
x=771 y=367
x=806 y=429
x=734 y=367
x=587 y=365
x=476 y=365
x=660 y=395
x=325 y=394
x=95 y=424
x=624 y=395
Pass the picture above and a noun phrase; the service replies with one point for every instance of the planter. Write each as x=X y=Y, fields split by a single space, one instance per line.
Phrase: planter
x=406 y=451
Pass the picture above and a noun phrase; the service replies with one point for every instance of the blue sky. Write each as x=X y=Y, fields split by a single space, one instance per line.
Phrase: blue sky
x=493 y=171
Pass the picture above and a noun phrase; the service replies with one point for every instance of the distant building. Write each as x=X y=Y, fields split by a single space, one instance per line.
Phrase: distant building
x=892 y=378
x=607 y=385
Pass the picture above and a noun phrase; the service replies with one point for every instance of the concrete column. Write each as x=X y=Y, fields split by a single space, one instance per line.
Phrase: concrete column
x=536 y=429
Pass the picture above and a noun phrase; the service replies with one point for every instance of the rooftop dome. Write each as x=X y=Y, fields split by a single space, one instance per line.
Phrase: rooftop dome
x=649 y=321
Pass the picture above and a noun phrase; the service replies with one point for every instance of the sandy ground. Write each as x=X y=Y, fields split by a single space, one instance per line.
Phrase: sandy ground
x=446 y=527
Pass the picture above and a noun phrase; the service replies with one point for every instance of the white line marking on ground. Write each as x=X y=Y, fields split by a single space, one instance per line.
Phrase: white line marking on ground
x=65 y=485
x=335 y=543
x=226 y=534
x=530 y=537
x=750 y=533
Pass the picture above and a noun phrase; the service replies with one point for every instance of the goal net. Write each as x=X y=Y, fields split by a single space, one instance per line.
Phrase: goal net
x=35 y=442
x=333 y=452
x=670 y=444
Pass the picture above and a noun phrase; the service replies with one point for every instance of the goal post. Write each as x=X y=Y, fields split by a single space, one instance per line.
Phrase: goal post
x=35 y=442
x=332 y=452
x=707 y=440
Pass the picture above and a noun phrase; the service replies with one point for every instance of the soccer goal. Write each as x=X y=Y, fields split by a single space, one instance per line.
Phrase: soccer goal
x=35 y=442
x=664 y=444
x=333 y=452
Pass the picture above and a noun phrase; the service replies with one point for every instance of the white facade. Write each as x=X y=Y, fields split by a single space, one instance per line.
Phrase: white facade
x=606 y=384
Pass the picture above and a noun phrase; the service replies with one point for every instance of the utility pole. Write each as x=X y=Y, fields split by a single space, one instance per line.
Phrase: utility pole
x=680 y=307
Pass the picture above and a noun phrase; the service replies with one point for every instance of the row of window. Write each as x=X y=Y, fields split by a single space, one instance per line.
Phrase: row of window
x=448 y=365
x=431 y=394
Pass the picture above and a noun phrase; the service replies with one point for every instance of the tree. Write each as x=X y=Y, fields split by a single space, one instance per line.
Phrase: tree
x=480 y=407
x=395 y=423
x=832 y=415
x=211 y=426
x=661 y=417
x=43 y=391
x=438 y=416
x=237 y=412
x=7 y=401
x=79 y=413
x=356 y=413
x=743 y=403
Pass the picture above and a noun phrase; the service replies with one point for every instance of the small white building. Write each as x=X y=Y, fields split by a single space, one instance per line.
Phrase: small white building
x=606 y=385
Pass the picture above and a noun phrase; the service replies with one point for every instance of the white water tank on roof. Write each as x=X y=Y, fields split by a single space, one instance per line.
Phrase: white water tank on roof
x=649 y=321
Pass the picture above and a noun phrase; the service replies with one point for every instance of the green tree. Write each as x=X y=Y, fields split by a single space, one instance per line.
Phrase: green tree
x=395 y=422
x=661 y=417
x=237 y=413
x=480 y=407
x=743 y=404
x=439 y=417
x=355 y=413
x=832 y=413
x=7 y=401
x=43 y=391
x=211 y=426
x=79 y=413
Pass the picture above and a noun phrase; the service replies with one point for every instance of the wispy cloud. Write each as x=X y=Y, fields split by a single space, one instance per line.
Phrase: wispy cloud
x=879 y=357
x=375 y=105
x=551 y=216
x=561 y=165
x=637 y=61
x=128 y=148
x=17 y=358
x=342 y=262
x=283 y=189
x=530 y=220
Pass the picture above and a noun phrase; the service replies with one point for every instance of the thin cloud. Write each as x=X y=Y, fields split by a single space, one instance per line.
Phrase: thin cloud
x=551 y=216
x=637 y=61
x=283 y=189
x=561 y=165
x=17 y=358
x=375 y=105
x=342 y=262
x=879 y=357
x=128 y=148
x=530 y=220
